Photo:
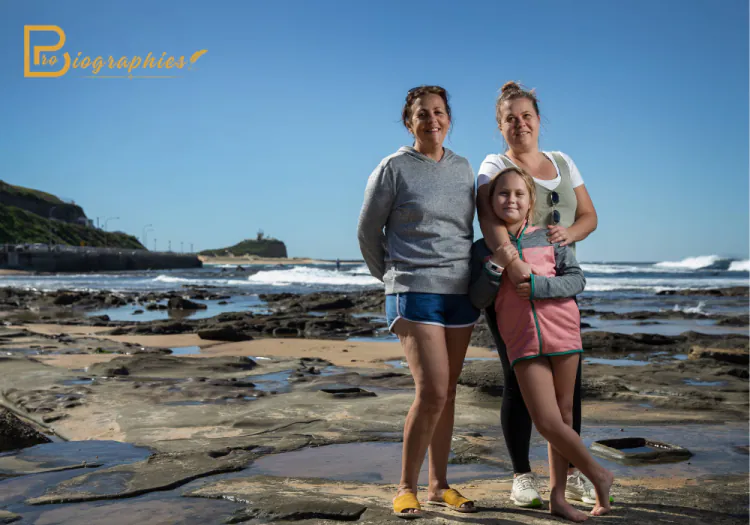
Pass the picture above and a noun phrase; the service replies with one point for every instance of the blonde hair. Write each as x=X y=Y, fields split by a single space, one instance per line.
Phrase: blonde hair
x=511 y=91
x=527 y=179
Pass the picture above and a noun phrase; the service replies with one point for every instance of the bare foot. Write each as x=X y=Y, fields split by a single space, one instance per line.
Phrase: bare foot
x=602 y=486
x=560 y=507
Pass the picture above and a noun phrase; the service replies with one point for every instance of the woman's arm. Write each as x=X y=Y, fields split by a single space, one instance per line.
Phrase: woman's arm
x=379 y=197
x=585 y=222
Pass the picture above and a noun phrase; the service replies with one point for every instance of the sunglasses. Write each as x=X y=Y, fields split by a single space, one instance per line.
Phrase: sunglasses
x=554 y=198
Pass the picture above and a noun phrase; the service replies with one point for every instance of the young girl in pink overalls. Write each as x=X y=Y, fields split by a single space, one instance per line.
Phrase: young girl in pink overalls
x=539 y=322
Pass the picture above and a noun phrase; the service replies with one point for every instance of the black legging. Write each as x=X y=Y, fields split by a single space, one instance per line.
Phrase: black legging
x=514 y=416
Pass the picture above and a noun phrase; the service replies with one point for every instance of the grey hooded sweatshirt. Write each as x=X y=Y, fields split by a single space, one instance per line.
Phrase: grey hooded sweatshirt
x=427 y=210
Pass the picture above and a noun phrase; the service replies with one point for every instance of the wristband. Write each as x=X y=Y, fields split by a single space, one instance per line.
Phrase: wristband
x=495 y=271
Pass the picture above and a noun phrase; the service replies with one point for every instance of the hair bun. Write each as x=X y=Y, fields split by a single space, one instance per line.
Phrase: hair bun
x=510 y=86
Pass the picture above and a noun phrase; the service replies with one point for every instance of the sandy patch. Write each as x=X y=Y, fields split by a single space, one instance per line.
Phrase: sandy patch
x=629 y=411
x=75 y=361
x=340 y=353
x=54 y=329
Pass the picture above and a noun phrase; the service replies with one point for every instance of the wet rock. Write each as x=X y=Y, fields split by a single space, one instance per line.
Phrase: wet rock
x=331 y=327
x=742 y=373
x=156 y=328
x=180 y=303
x=606 y=342
x=154 y=306
x=269 y=500
x=138 y=312
x=105 y=318
x=333 y=304
x=347 y=393
x=224 y=333
x=734 y=291
x=734 y=356
x=738 y=320
x=481 y=336
x=54 y=417
x=9 y=517
x=115 y=300
x=15 y=434
x=327 y=301
x=166 y=365
x=485 y=376
x=314 y=361
x=66 y=299
x=601 y=387
x=10 y=334
x=298 y=509
x=286 y=331
x=159 y=472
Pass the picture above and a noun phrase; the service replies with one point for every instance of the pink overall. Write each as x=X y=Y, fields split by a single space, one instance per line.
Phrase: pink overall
x=536 y=327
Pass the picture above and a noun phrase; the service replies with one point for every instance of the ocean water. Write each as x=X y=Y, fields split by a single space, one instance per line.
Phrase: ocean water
x=610 y=286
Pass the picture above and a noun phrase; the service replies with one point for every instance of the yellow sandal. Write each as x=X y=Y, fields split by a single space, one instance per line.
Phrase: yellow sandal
x=453 y=500
x=404 y=502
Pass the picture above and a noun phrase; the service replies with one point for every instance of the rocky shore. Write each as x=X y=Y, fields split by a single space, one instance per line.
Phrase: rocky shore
x=223 y=419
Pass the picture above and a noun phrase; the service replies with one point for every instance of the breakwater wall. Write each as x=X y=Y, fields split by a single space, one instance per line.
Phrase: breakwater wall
x=86 y=259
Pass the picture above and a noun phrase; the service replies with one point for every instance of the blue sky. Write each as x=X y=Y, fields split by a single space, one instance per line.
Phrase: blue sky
x=281 y=122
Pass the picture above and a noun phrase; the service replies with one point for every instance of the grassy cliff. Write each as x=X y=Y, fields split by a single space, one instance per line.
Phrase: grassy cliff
x=267 y=247
x=40 y=203
x=21 y=226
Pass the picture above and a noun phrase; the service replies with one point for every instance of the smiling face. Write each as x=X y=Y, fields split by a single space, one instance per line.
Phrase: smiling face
x=512 y=198
x=519 y=124
x=429 y=122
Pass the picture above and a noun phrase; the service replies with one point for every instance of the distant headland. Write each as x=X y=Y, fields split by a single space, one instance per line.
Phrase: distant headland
x=29 y=216
x=261 y=246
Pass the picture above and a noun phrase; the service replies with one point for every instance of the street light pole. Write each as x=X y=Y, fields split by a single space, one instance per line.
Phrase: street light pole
x=105 y=228
x=181 y=250
x=50 y=227
x=154 y=244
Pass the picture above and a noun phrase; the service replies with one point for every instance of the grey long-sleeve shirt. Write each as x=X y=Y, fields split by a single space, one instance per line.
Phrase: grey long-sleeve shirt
x=427 y=210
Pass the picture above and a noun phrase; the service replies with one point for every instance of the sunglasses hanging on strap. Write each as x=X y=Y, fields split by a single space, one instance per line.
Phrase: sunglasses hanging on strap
x=554 y=216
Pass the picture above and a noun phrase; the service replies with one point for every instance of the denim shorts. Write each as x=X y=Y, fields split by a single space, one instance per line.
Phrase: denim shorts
x=447 y=310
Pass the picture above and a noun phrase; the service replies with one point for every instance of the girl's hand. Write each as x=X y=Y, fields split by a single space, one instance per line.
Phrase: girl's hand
x=524 y=290
x=505 y=255
x=558 y=234
x=519 y=271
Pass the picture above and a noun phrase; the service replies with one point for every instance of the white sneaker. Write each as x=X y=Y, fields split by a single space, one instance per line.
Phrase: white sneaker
x=579 y=488
x=525 y=493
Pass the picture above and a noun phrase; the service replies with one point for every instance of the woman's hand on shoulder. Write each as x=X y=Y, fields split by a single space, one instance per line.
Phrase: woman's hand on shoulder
x=558 y=234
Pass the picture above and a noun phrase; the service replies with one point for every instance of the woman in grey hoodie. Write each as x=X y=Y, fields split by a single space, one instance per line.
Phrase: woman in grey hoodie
x=415 y=232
